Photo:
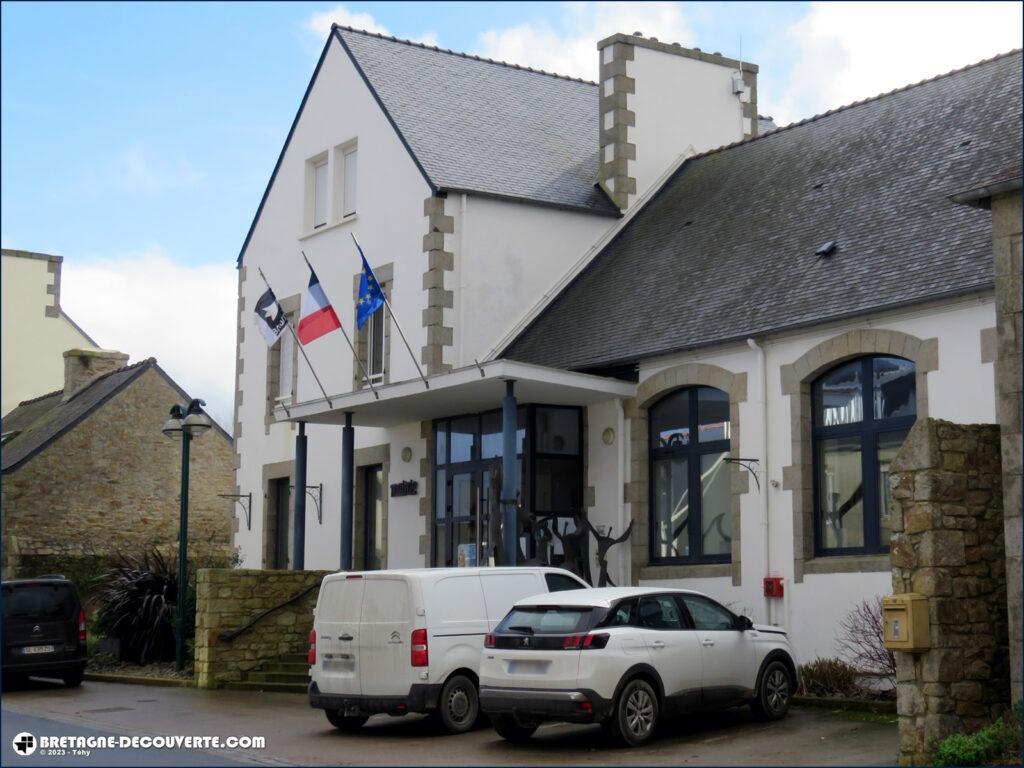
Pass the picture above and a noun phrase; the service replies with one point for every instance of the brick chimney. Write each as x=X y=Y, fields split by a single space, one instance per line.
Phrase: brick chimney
x=659 y=101
x=81 y=366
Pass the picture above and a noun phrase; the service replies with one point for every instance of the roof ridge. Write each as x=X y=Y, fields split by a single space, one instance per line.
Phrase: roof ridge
x=108 y=374
x=37 y=398
x=462 y=54
x=858 y=103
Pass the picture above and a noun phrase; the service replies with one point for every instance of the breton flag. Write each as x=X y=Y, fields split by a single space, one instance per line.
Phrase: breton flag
x=270 y=318
x=318 y=316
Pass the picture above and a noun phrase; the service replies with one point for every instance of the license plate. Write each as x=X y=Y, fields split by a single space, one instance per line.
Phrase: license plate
x=30 y=649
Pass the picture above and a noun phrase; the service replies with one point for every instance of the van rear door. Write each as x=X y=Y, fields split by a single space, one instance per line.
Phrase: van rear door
x=385 y=629
x=337 y=635
x=40 y=621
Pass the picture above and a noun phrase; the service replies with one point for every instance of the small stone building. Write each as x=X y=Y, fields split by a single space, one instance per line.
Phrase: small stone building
x=87 y=473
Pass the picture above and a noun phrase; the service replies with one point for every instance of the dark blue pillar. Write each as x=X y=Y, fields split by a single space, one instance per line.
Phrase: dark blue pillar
x=299 y=527
x=509 y=476
x=347 y=489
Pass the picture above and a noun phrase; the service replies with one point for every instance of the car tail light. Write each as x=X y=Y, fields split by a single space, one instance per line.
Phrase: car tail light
x=81 y=626
x=419 y=654
x=311 y=657
x=583 y=642
x=488 y=641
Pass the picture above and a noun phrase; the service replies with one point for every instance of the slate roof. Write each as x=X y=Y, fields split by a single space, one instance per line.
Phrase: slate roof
x=726 y=249
x=42 y=420
x=487 y=127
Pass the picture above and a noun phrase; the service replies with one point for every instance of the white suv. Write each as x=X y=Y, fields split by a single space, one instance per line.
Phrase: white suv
x=623 y=656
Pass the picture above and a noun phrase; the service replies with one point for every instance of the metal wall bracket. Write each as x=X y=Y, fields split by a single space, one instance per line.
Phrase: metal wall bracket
x=316 y=493
x=244 y=500
x=746 y=464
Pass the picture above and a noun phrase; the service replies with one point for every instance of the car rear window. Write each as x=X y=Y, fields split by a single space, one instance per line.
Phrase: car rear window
x=39 y=601
x=547 y=620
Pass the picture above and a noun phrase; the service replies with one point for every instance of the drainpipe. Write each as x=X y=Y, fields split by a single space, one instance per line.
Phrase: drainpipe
x=765 y=516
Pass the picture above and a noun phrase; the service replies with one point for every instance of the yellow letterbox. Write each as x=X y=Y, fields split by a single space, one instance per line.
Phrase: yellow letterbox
x=905 y=622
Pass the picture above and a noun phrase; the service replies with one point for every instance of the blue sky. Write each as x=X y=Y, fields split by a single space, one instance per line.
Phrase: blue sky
x=136 y=139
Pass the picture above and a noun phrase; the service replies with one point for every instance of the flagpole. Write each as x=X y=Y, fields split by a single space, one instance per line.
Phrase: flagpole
x=401 y=333
x=299 y=343
x=366 y=376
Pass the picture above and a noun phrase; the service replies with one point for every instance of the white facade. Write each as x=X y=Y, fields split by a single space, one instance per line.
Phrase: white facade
x=507 y=257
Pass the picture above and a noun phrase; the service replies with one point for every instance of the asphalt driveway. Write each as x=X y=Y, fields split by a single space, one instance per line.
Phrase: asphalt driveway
x=296 y=734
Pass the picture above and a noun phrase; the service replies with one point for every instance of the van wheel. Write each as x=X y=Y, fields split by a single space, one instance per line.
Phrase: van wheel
x=73 y=679
x=774 y=693
x=635 y=714
x=343 y=722
x=459 y=705
x=511 y=730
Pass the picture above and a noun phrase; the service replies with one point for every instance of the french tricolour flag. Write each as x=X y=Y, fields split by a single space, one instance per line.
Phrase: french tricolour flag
x=318 y=315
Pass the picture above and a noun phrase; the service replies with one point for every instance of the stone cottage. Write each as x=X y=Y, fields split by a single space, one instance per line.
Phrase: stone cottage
x=86 y=472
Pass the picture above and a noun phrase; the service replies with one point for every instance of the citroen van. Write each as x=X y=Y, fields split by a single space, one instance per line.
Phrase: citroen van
x=403 y=641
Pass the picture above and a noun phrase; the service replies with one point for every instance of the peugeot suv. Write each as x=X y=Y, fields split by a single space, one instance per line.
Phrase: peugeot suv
x=627 y=656
x=43 y=630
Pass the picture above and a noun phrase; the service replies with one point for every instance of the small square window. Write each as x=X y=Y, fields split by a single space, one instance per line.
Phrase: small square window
x=349 y=183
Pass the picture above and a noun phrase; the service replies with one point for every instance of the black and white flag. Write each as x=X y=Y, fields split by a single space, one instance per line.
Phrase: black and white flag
x=270 y=318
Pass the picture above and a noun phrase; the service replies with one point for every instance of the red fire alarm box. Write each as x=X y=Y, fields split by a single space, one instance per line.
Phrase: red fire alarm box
x=773 y=586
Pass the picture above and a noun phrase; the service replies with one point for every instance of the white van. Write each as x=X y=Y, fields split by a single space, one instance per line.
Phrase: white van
x=410 y=640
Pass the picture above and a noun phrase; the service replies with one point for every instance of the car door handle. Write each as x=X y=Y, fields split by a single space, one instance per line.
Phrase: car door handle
x=657 y=644
x=707 y=642
x=345 y=637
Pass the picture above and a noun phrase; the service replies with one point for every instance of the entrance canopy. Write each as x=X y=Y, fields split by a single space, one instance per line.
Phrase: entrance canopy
x=464 y=390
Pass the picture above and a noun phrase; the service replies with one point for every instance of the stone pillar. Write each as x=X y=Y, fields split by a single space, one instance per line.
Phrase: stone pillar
x=947 y=544
x=1006 y=246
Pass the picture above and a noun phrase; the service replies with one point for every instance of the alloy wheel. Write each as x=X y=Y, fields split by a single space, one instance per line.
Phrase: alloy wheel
x=777 y=689
x=639 y=712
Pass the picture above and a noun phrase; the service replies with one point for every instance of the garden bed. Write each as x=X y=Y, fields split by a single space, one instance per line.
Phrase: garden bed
x=109 y=668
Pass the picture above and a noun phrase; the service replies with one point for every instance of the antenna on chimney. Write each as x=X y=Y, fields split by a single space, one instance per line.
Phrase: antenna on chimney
x=737 y=82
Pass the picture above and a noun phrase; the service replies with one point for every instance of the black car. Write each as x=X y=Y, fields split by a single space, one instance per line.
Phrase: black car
x=43 y=630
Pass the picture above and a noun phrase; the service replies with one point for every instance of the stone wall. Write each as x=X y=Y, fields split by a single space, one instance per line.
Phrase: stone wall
x=112 y=484
x=228 y=598
x=1008 y=267
x=947 y=545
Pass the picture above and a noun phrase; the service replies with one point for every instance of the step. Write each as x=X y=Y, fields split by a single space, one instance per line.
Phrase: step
x=277 y=677
x=267 y=687
x=293 y=658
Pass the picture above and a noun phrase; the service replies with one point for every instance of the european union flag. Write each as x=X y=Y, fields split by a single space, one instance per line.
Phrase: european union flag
x=371 y=295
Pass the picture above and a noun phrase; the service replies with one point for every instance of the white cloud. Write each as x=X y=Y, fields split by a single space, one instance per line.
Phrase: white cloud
x=136 y=170
x=851 y=51
x=569 y=47
x=147 y=305
x=320 y=24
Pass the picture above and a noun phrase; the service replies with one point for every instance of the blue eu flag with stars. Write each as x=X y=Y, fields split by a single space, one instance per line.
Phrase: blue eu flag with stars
x=371 y=295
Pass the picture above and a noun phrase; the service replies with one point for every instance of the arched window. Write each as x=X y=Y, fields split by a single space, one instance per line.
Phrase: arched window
x=690 y=487
x=863 y=410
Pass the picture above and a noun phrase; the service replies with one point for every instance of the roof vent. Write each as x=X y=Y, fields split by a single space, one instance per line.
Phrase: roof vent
x=826 y=249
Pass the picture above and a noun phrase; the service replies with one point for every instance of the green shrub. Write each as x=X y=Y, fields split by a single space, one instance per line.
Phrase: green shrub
x=138 y=606
x=828 y=677
x=998 y=743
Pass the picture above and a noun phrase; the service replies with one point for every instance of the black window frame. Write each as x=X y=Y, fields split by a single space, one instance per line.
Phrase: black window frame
x=530 y=456
x=692 y=451
x=869 y=429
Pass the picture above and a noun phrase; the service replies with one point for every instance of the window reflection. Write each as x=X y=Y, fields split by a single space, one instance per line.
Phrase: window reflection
x=838 y=396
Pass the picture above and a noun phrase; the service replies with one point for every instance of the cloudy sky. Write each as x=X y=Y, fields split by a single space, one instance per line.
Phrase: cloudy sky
x=136 y=140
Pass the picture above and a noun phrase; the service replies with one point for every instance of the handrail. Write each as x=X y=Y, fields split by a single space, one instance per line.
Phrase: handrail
x=230 y=634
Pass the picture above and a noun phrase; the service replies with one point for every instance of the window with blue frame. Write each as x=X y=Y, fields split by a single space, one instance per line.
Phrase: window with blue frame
x=690 y=502
x=863 y=410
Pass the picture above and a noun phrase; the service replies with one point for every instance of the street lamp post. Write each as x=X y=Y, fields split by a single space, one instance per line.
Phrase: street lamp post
x=185 y=424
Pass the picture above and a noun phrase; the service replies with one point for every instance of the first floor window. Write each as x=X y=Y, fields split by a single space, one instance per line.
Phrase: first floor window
x=375 y=345
x=286 y=365
x=690 y=493
x=320 y=193
x=863 y=410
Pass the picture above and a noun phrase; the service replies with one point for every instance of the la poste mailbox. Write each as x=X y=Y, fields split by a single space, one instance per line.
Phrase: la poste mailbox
x=905 y=622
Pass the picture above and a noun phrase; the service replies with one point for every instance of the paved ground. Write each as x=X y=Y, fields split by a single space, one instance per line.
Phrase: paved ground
x=297 y=734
